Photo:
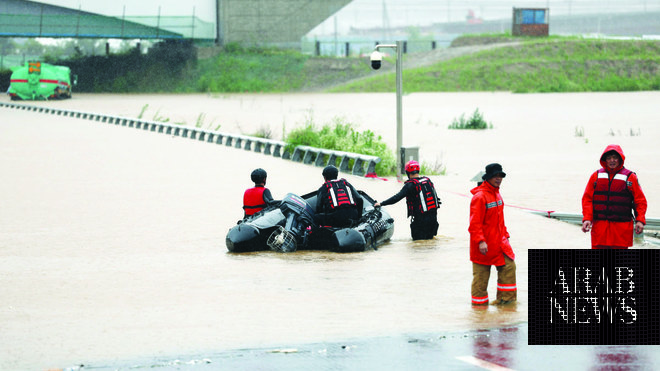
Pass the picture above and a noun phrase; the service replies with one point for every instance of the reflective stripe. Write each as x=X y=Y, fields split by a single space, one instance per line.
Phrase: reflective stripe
x=350 y=195
x=494 y=204
x=620 y=176
x=334 y=198
x=506 y=287
x=603 y=175
x=421 y=197
x=480 y=300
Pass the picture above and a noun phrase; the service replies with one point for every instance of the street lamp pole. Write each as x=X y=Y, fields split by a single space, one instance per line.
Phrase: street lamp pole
x=399 y=91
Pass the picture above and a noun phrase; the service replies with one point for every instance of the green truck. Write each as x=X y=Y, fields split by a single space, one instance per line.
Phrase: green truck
x=40 y=81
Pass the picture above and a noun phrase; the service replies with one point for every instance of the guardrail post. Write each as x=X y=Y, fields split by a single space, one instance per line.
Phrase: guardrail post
x=371 y=167
x=308 y=156
x=286 y=153
x=277 y=150
x=332 y=159
x=296 y=156
x=343 y=165
x=319 y=159
x=357 y=167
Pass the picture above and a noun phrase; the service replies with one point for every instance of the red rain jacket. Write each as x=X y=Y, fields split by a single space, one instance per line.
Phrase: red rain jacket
x=613 y=233
x=487 y=224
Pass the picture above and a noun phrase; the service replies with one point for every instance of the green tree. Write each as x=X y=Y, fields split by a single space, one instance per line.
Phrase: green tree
x=32 y=47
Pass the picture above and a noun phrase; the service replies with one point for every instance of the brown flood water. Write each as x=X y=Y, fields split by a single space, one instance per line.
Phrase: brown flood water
x=112 y=239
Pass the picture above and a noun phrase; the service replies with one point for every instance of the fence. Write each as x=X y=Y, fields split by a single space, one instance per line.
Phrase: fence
x=354 y=48
x=355 y=163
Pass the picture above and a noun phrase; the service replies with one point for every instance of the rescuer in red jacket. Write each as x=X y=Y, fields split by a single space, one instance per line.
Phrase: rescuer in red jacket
x=613 y=204
x=257 y=197
x=489 y=240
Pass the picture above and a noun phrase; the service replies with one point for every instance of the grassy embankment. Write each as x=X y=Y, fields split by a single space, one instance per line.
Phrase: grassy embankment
x=535 y=65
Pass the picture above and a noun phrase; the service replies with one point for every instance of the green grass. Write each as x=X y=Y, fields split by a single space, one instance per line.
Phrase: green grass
x=251 y=70
x=553 y=64
x=341 y=136
x=476 y=121
x=536 y=65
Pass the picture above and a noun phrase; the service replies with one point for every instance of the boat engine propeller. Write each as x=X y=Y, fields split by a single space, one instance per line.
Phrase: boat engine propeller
x=299 y=215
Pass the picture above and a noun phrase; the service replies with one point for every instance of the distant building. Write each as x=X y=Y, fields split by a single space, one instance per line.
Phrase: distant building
x=531 y=22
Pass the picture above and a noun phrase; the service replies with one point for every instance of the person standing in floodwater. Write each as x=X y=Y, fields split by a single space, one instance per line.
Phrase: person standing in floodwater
x=613 y=204
x=422 y=202
x=257 y=197
x=489 y=240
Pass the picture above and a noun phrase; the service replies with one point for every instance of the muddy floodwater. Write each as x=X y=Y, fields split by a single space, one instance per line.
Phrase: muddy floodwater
x=112 y=239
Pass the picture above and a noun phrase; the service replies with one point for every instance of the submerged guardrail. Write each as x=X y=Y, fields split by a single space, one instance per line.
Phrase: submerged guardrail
x=355 y=163
x=651 y=228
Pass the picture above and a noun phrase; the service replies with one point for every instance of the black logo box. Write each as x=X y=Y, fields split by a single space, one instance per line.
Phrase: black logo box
x=594 y=297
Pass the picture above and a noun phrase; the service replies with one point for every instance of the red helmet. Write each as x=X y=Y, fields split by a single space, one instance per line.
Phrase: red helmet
x=412 y=166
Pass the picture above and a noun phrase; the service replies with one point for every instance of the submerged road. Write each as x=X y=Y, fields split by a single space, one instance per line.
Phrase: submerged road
x=112 y=256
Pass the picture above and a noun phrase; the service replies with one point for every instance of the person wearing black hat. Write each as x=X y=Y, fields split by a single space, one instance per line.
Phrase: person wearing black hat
x=489 y=240
x=422 y=202
x=338 y=204
x=257 y=197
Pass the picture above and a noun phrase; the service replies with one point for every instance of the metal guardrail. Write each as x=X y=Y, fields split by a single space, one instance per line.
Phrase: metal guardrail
x=651 y=228
x=355 y=163
x=652 y=224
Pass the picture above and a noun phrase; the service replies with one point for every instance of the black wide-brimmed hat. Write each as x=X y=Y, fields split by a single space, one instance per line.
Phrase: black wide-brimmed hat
x=493 y=170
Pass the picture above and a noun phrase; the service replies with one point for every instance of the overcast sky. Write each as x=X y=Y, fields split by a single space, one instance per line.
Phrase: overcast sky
x=370 y=13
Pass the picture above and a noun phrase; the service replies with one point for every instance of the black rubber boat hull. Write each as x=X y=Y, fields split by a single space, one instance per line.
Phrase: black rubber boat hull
x=376 y=227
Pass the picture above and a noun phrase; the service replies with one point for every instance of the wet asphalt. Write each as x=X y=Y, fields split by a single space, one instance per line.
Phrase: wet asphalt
x=489 y=349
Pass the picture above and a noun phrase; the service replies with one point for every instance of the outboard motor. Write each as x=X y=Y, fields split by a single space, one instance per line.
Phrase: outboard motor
x=299 y=215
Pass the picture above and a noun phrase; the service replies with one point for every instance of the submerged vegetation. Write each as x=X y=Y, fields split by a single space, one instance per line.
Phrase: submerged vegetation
x=476 y=121
x=341 y=136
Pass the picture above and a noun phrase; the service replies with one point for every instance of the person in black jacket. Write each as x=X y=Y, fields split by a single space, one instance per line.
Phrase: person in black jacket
x=422 y=202
x=338 y=204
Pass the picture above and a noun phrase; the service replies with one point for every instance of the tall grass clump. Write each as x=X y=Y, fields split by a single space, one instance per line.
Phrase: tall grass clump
x=476 y=121
x=239 y=69
x=341 y=136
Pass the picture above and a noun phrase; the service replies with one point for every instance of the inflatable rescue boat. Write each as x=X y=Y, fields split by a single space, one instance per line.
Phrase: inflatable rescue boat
x=288 y=225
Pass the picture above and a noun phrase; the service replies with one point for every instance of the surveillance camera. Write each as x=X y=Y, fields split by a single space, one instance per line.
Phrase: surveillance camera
x=376 y=60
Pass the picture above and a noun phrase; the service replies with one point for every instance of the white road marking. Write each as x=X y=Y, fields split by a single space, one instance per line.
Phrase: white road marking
x=483 y=364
